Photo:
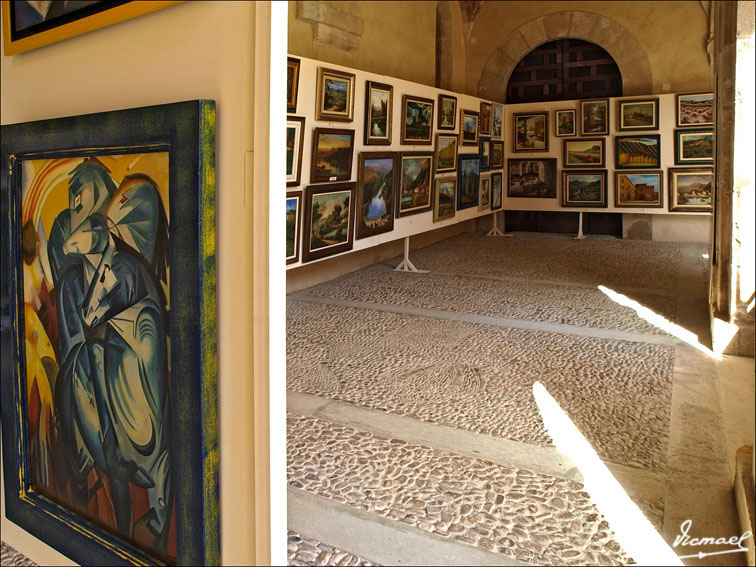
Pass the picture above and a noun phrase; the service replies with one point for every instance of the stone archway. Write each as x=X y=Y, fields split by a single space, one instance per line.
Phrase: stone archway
x=626 y=50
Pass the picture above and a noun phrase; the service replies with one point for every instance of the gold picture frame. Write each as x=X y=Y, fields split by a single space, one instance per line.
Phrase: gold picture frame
x=335 y=97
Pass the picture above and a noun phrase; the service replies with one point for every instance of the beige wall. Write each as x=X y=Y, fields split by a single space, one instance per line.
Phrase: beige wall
x=673 y=35
x=398 y=39
x=189 y=51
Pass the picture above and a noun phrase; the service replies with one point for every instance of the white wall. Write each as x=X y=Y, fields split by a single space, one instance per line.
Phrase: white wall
x=189 y=51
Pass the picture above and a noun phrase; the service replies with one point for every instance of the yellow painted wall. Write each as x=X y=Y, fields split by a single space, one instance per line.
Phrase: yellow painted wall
x=673 y=34
x=399 y=40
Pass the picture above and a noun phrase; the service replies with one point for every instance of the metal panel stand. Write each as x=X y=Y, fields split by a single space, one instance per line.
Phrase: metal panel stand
x=405 y=265
x=495 y=229
x=580 y=234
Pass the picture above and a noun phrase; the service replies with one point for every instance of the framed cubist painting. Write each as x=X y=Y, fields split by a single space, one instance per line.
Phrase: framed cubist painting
x=109 y=402
x=376 y=184
x=328 y=220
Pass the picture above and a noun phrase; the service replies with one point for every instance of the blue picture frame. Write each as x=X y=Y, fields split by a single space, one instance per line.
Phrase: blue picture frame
x=185 y=132
x=468 y=185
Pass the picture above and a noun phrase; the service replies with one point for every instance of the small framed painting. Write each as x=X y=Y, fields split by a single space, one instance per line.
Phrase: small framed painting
x=335 y=96
x=468 y=119
x=695 y=109
x=484 y=202
x=417 y=120
x=415 y=183
x=292 y=84
x=444 y=199
x=484 y=149
x=497 y=122
x=638 y=114
x=532 y=178
x=638 y=189
x=565 y=123
x=446 y=153
x=294 y=145
x=694 y=147
x=497 y=155
x=379 y=105
x=376 y=181
x=447 y=112
x=332 y=150
x=637 y=152
x=468 y=188
x=485 y=118
x=496 y=191
x=328 y=220
x=293 y=224
x=531 y=132
x=691 y=189
x=584 y=188
x=583 y=152
x=594 y=117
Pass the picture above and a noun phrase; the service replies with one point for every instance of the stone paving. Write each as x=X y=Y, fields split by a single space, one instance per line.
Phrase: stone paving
x=13 y=558
x=302 y=550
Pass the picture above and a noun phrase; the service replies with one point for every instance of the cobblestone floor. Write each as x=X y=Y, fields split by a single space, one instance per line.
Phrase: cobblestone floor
x=302 y=550
x=13 y=558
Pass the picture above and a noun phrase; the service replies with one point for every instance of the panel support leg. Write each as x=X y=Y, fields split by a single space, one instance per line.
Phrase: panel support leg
x=580 y=235
x=405 y=265
x=495 y=229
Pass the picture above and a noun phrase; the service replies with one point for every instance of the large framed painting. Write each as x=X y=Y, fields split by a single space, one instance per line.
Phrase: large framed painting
x=468 y=120
x=109 y=401
x=379 y=108
x=292 y=83
x=565 y=123
x=293 y=225
x=638 y=189
x=694 y=146
x=496 y=191
x=28 y=25
x=531 y=132
x=497 y=122
x=637 y=152
x=583 y=152
x=417 y=120
x=447 y=112
x=444 y=198
x=691 y=190
x=586 y=188
x=638 y=114
x=294 y=145
x=485 y=118
x=335 y=96
x=446 y=153
x=332 y=152
x=468 y=187
x=594 y=117
x=415 y=183
x=532 y=178
x=695 y=109
x=328 y=220
x=376 y=183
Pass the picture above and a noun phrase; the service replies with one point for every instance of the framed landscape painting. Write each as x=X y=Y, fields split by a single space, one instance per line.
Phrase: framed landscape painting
x=583 y=152
x=447 y=112
x=638 y=189
x=109 y=401
x=468 y=188
x=379 y=108
x=294 y=145
x=335 y=96
x=497 y=122
x=293 y=225
x=691 y=189
x=417 y=120
x=328 y=220
x=496 y=191
x=446 y=153
x=638 y=114
x=565 y=123
x=484 y=201
x=594 y=117
x=444 y=199
x=532 y=178
x=376 y=183
x=695 y=109
x=484 y=149
x=637 y=152
x=468 y=120
x=584 y=188
x=415 y=183
x=694 y=147
x=292 y=84
x=531 y=132
x=332 y=150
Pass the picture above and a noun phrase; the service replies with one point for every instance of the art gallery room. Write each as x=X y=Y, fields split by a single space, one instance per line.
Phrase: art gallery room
x=513 y=325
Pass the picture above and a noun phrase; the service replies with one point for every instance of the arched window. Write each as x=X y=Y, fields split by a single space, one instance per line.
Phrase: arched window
x=565 y=69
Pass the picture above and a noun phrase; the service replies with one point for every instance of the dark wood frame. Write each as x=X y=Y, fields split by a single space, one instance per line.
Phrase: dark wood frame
x=486 y=111
x=582 y=117
x=639 y=204
x=678 y=124
x=518 y=115
x=430 y=155
x=369 y=139
x=482 y=143
x=497 y=144
x=618 y=138
x=462 y=113
x=551 y=162
x=694 y=161
x=500 y=136
x=315 y=177
x=673 y=206
x=442 y=97
x=360 y=186
x=416 y=141
x=574 y=122
x=298 y=176
x=292 y=95
x=500 y=176
x=585 y=204
x=436 y=181
x=565 y=153
x=310 y=191
x=298 y=238
x=460 y=159
x=481 y=206
x=330 y=116
x=456 y=153
x=622 y=102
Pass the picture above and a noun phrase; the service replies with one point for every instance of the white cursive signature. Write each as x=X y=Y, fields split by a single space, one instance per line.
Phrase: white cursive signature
x=685 y=539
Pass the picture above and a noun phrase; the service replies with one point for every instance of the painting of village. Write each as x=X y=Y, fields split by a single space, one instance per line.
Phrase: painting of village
x=691 y=189
x=534 y=178
x=638 y=114
x=375 y=195
x=638 y=189
x=695 y=109
x=415 y=188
